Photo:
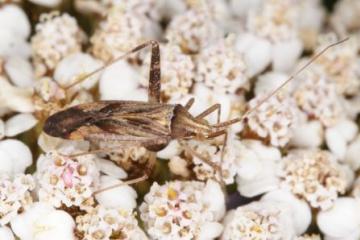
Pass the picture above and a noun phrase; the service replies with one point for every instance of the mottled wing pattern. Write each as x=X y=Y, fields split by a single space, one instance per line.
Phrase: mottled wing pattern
x=139 y=119
x=127 y=121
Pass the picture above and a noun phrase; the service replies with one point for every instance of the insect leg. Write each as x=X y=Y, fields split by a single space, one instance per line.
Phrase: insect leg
x=155 y=74
x=200 y=156
x=213 y=108
x=189 y=103
x=151 y=164
x=129 y=182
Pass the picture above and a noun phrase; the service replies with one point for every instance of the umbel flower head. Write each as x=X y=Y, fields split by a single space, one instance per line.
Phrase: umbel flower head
x=192 y=30
x=56 y=37
x=107 y=223
x=111 y=38
x=67 y=181
x=258 y=220
x=221 y=67
x=271 y=121
x=15 y=195
x=316 y=96
x=313 y=175
x=183 y=210
x=341 y=64
x=276 y=20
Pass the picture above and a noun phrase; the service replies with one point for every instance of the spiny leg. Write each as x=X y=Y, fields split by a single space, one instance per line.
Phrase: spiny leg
x=128 y=182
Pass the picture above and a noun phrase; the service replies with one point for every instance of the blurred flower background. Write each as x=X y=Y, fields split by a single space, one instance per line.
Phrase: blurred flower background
x=290 y=171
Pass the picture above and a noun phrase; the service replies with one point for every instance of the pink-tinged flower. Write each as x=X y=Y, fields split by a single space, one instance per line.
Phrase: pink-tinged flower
x=67 y=181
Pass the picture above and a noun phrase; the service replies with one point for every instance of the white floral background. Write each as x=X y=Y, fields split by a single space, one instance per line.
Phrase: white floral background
x=290 y=171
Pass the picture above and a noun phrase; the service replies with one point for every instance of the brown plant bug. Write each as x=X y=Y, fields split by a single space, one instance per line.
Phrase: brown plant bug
x=149 y=124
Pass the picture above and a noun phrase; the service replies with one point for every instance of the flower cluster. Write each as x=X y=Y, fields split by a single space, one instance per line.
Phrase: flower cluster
x=57 y=36
x=183 y=210
x=313 y=175
x=104 y=223
x=259 y=220
x=272 y=121
x=192 y=31
x=221 y=67
x=67 y=181
x=15 y=195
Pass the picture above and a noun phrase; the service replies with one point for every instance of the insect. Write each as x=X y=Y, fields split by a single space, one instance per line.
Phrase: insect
x=149 y=124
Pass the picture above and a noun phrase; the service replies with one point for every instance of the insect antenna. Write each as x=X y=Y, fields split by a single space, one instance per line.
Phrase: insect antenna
x=274 y=92
x=153 y=43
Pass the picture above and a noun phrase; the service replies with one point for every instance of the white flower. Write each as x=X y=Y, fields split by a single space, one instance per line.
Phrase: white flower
x=47 y=3
x=111 y=38
x=15 y=195
x=130 y=158
x=65 y=181
x=300 y=210
x=15 y=156
x=14 y=34
x=75 y=66
x=192 y=30
x=221 y=67
x=240 y=8
x=6 y=233
x=21 y=98
x=338 y=137
x=276 y=21
x=231 y=105
x=311 y=20
x=317 y=97
x=177 y=72
x=20 y=71
x=259 y=220
x=111 y=87
x=268 y=82
x=183 y=210
x=313 y=175
x=352 y=154
x=213 y=151
x=257 y=172
x=345 y=17
x=109 y=223
x=42 y=221
x=123 y=197
x=19 y=123
x=342 y=221
x=110 y=168
x=307 y=134
x=56 y=37
x=48 y=143
x=272 y=121
x=341 y=64
x=256 y=51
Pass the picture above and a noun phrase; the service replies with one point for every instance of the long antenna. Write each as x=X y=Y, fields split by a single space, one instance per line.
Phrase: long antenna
x=274 y=92
x=84 y=77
